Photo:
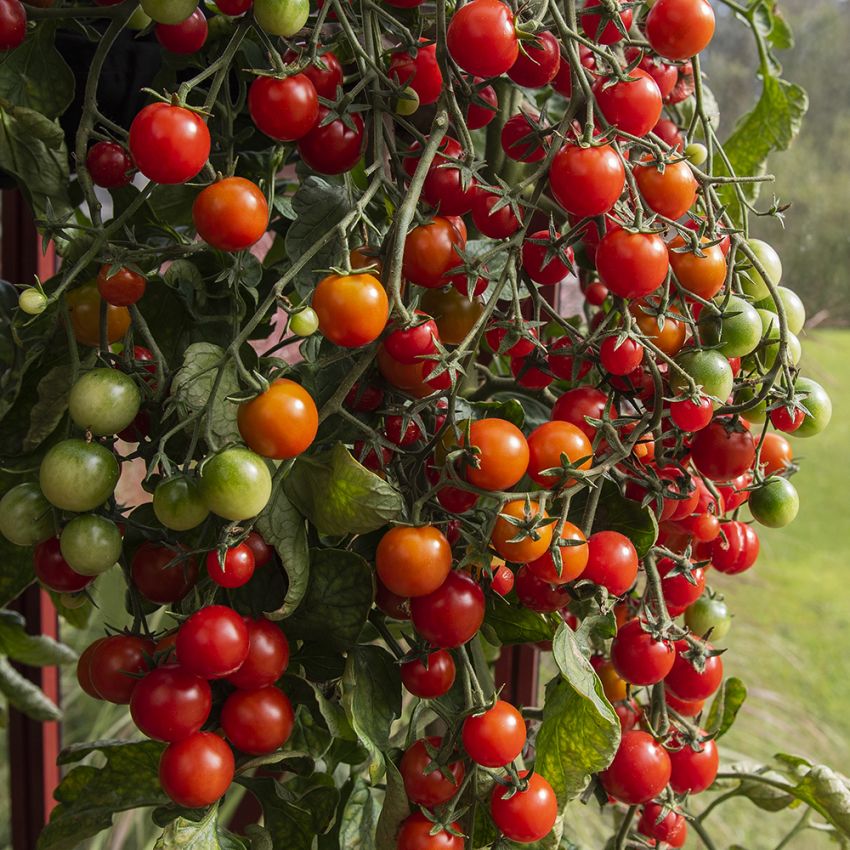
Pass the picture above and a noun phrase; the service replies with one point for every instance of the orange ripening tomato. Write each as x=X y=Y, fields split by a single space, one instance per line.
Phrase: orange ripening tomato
x=430 y=250
x=454 y=313
x=531 y=546
x=281 y=422
x=670 y=338
x=573 y=558
x=671 y=192
x=352 y=309
x=231 y=214
x=409 y=377
x=776 y=453
x=84 y=309
x=547 y=443
x=702 y=276
x=502 y=454
x=413 y=561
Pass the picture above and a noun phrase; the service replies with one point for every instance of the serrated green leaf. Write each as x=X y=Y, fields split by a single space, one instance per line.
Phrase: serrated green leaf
x=283 y=527
x=35 y=650
x=513 y=624
x=337 y=602
x=24 y=695
x=318 y=206
x=193 y=384
x=35 y=75
x=725 y=707
x=206 y=834
x=617 y=513
x=53 y=391
x=395 y=808
x=90 y=796
x=340 y=496
x=580 y=732
x=371 y=696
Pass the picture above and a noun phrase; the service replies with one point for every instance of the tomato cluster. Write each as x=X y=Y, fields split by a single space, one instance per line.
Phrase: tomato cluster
x=454 y=296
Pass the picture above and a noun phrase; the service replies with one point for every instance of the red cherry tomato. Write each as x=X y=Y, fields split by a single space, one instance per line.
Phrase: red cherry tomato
x=115 y=664
x=587 y=181
x=482 y=38
x=598 y=27
x=234 y=569
x=267 y=659
x=257 y=721
x=170 y=704
x=213 y=642
x=450 y=615
x=640 y=769
x=429 y=787
x=612 y=561
x=196 y=771
x=188 y=36
x=529 y=814
x=169 y=144
x=110 y=165
x=429 y=678
x=334 y=147
x=640 y=658
x=285 y=109
x=633 y=105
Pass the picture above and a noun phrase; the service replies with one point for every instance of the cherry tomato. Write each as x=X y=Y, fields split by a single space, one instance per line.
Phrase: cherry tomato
x=538 y=64
x=495 y=737
x=573 y=558
x=688 y=683
x=416 y=834
x=109 y=164
x=115 y=664
x=84 y=668
x=620 y=357
x=413 y=561
x=169 y=144
x=579 y=404
x=161 y=574
x=122 y=288
x=549 y=444
x=502 y=456
x=529 y=814
x=678 y=591
x=285 y=109
x=503 y=578
x=213 y=642
x=690 y=415
x=533 y=543
x=704 y=275
x=638 y=657
x=776 y=453
x=410 y=344
x=352 y=309
x=429 y=787
x=519 y=139
x=481 y=38
x=736 y=549
x=632 y=265
x=257 y=721
x=196 y=771
x=694 y=770
x=679 y=29
x=430 y=250
x=267 y=659
x=54 y=572
x=499 y=223
x=640 y=769
x=670 y=192
x=334 y=147
x=587 y=181
x=280 y=423
x=612 y=561
x=187 y=36
x=672 y=829
x=231 y=214
x=450 y=615
x=429 y=678
x=84 y=308
x=482 y=110
x=454 y=313
x=537 y=594
x=169 y=704
x=541 y=262
x=234 y=569
x=420 y=72
x=632 y=105
x=722 y=451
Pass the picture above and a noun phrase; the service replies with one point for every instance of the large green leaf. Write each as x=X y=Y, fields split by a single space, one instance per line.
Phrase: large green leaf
x=35 y=650
x=372 y=699
x=359 y=818
x=339 y=495
x=317 y=206
x=395 y=808
x=617 y=513
x=32 y=148
x=283 y=527
x=829 y=794
x=24 y=695
x=194 y=384
x=726 y=706
x=53 y=392
x=205 y=834
x=511 y=624
x=90 y=796
x=771 y=125
x=17 y=573
x=296 y=812
x=36 y=76
x=337 y=602
x=580 y=730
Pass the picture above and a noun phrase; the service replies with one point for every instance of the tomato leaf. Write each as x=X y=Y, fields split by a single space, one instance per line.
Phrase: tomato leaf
x=36 y=76
x=295 y=812
x=339 y=495
x=53 y=391
x=726 y=706
x=395 y=808
x=17 y=573
x=617 y=513
x=359 y=818
x=35 y=650
x=194 y=383
x=206 y=834
x=580 y=730
x=828 y=793
x=318 y=206
x=337 y=602
x=511 y=624
x=282 y=526
x=24 y=695
x=89 y=796
x=508 y=407
x=771 y=125
x=372 y=699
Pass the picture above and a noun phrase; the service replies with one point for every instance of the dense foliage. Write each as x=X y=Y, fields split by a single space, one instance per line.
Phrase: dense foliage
x=431 y=330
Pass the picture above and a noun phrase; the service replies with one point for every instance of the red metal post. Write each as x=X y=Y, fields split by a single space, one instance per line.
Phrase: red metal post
x=518 y=670
x=33 y=746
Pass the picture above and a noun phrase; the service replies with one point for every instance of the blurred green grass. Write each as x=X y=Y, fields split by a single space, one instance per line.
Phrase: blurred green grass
x=793 y=610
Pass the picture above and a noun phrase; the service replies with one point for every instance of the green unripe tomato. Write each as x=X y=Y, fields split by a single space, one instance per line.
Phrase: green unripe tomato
x=817 y=402
x=26 y=517
x=169 y=11
x=104 y=401
x=90 y=544
x=236 y=484
x=756 y=414
x=139 y=20
x=407 y=102
x=751 y=281
x=281 y=17
x=72 y=601
x=696 y=153
x=178 y=503
x=707 y=613
x=32 y=302
x=795 y=312
x=78 y=476
x=775 y=503
x=770 y=333
x=737 y=332
x=305 y=322
x=709 y=370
